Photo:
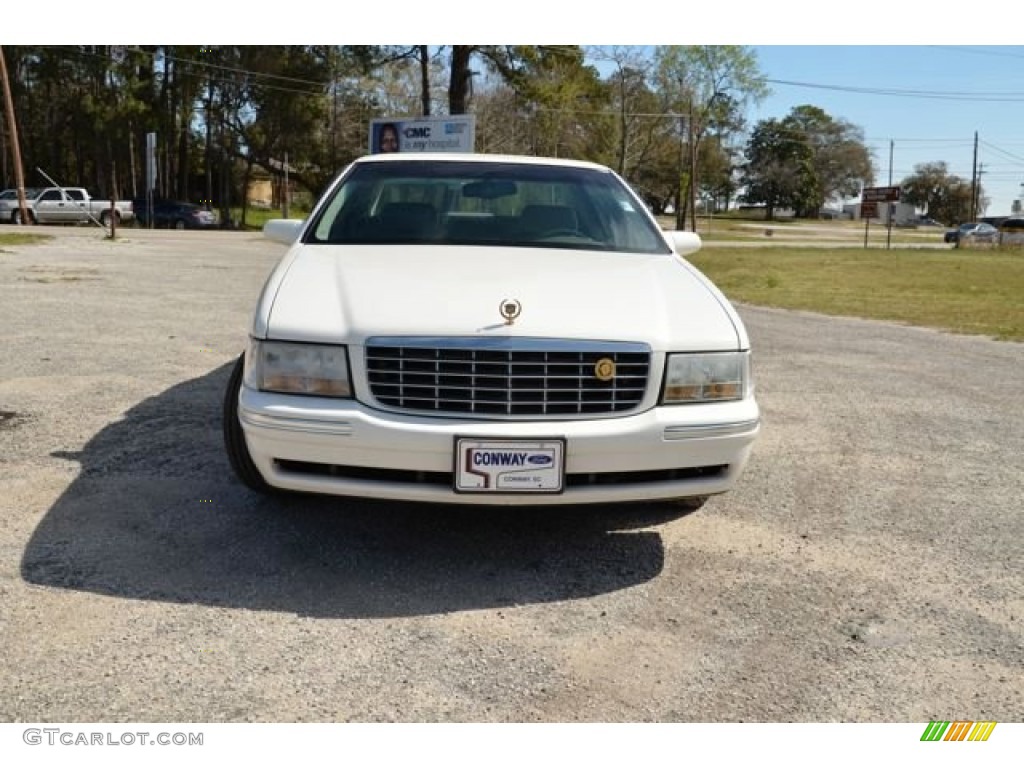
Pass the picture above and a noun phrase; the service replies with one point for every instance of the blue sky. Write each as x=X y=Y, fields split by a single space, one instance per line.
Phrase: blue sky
x=925 y=102
x=963 y=90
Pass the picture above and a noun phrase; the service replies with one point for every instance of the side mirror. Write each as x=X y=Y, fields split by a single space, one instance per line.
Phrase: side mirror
x=684 y=243
x=284 y=231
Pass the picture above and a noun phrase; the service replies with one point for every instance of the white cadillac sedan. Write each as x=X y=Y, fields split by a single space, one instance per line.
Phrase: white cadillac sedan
x=483 y=329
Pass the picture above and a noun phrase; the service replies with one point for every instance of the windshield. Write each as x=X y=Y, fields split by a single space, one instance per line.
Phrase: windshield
x=476 y=203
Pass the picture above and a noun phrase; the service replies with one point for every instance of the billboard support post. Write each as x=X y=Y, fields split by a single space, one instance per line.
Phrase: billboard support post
x=870 y=198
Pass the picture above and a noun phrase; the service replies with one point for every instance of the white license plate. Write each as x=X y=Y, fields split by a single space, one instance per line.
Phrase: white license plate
x=509 y=466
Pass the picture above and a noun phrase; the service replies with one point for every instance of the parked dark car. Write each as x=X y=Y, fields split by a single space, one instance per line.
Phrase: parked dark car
x=10 y=210
x=12 y=194
x=980 y=231
x=174 y=214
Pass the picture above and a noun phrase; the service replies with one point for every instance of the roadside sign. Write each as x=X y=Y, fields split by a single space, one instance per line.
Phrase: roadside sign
x=869 y=210
x=880 y=194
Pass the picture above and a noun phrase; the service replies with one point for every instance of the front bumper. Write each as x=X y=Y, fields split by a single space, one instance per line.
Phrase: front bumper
x=341 y=447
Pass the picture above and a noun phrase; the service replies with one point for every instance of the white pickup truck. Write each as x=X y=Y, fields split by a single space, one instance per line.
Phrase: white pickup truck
x=66 y=205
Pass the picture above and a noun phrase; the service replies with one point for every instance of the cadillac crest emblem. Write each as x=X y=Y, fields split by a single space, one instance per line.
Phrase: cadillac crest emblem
x=510 y=309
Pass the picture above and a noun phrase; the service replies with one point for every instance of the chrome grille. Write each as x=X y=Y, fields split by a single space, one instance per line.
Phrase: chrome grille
x=505 y=377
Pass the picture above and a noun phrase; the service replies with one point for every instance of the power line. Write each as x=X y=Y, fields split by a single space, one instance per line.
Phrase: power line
x=916 y=94
x=69 y=50
x=980 y=51
x=886 y=140
x=223 y=68
x=1003 y=152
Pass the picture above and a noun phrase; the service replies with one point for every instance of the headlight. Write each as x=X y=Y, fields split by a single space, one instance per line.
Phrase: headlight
x=299 y=369
x=706 y=377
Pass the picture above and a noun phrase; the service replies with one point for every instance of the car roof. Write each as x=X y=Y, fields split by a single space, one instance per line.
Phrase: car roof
x=472 y=157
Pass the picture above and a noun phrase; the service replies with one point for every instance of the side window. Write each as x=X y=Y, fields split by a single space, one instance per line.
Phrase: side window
x=627 y=223
x=75 y=194
x=51 y=195
x=343 y=213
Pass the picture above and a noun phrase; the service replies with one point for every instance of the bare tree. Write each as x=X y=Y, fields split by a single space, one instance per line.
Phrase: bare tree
x=628 y=81
x=706 y=84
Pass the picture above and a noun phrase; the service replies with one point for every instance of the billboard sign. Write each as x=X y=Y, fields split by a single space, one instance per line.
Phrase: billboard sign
x=445 y=133
x=880 y=194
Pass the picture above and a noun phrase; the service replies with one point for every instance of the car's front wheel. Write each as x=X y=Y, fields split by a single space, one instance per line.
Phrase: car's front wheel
x=17 y=219
x=234 y=438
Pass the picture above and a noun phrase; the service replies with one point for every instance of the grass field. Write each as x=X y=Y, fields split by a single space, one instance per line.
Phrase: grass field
x=255 y=218
x=20 y=238
x=966 y=291
x=733 y=229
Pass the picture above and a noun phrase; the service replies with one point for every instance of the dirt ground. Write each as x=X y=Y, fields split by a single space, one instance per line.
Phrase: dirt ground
x=869 y=567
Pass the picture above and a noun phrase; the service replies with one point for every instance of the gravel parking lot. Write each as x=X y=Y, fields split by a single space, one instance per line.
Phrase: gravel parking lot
x=868 y=568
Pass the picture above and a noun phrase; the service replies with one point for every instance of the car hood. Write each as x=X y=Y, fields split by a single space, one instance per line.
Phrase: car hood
x=346 y=294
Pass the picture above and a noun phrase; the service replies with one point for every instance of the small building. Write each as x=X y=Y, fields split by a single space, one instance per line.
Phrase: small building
x=260 y=193
x=831 y=213
x=903 y=214
x=265 y=188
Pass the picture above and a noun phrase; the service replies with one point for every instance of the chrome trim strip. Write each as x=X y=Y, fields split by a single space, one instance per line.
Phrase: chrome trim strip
x=592 y=494
x=503 y=343
x=691 y=432
x=292 y=424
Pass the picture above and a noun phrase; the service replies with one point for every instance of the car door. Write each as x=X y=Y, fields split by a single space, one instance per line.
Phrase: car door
x=51 y=207
x=163 y=214
x=75 y=206
x=985 y=233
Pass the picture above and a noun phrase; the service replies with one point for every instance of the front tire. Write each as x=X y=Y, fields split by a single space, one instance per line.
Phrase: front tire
x=17 y=219
x=234 y=438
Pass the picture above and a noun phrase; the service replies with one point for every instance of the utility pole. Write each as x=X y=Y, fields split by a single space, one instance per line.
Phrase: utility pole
x=12 y=127
x=680 y=220
x=892 y=206
x=693 y=170
x=424 y=57
x=332 y=59
x=977 y=192
x=974 y=180
x=208 y=119
x=287 y=188
x=4 y=169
